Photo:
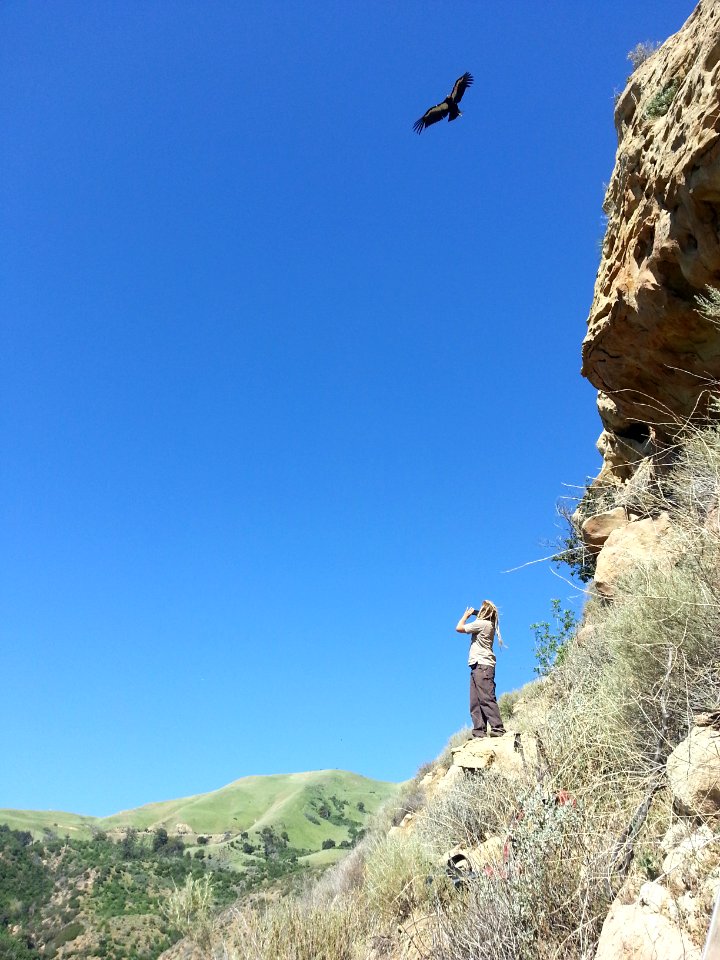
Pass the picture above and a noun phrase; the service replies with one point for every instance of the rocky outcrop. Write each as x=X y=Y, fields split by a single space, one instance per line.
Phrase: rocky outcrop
x=632 y=545
x=648 y=350
x=667 y=919
x=509 y=755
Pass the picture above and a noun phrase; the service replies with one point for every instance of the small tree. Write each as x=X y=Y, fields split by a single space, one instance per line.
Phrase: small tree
x=129 y=843
x=551 y=639
x=160 y=839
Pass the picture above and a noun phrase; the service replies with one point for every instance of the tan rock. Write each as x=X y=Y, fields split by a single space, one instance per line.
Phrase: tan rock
x=687 y=863
x=433 y=777
x=658 y=899
x=623 y=455
x=631 y=932
x=693 y=770
x=405 y=826
x=636 y=543
x=648 y=350
x=585 y=634
x=711 y=885
x=509 y=754
x=416 y=937
x=596 y=529
x=609 y=413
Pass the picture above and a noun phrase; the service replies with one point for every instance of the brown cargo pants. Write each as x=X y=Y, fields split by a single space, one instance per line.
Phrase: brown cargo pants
x=484 y=709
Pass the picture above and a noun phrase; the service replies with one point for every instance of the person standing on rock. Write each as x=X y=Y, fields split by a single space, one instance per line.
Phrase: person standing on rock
x=484 y=708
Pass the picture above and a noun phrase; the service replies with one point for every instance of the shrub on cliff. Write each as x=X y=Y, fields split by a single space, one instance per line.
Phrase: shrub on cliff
x=640 y=53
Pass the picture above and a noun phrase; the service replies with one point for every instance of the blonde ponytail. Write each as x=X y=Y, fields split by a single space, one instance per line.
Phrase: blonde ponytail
x=488 y=611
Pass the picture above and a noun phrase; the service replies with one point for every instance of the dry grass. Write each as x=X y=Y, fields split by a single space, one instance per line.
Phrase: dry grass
x=295 y=930
x=189 y=910
x=400 y=878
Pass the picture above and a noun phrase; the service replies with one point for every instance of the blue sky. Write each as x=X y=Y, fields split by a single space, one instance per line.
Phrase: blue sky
x=285 y=386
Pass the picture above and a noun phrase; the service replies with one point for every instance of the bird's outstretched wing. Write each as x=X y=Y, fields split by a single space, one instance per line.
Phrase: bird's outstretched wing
x=461 y=85
x=431 y=116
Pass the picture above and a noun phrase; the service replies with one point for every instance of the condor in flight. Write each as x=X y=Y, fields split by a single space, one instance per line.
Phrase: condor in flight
x=448 y=108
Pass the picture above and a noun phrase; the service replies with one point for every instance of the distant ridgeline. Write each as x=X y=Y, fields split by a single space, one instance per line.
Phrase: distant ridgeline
x=96 y=887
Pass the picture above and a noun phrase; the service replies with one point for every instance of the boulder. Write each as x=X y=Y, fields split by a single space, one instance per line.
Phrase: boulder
x=693 y=770
x=675 y=835
x=596 y=529
x=641 y=542
x=633 y=932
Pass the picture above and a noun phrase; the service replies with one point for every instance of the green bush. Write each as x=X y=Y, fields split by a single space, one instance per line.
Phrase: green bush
x=68 y=933
x=551 y=640
x=13 y=949
x=659 y=104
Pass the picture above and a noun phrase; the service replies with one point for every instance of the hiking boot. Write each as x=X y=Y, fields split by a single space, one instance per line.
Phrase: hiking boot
x=498 y=733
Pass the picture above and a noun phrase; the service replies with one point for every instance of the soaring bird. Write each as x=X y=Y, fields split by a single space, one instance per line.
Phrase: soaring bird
x=448 y=108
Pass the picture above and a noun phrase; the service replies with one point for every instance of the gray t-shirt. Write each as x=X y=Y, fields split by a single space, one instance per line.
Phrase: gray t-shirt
x=481 y=647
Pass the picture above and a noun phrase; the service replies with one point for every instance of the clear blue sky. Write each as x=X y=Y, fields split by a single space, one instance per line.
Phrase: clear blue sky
x=285 y=386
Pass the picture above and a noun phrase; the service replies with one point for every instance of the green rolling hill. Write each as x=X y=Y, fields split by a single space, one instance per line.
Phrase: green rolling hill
x=310 y=808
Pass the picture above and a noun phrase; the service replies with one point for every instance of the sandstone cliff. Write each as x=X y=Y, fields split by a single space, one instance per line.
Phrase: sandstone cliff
x=652 y=356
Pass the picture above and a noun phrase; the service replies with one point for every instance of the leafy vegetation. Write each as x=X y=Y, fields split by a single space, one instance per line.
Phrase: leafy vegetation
x=551 y=640
x=709 y=305
x=53 y=891
x=288 y=802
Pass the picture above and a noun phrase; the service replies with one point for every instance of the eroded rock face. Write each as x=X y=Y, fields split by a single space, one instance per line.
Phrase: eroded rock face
x=648 y=350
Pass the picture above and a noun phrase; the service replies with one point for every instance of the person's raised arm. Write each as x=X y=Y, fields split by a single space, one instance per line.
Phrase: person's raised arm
x=461 y=622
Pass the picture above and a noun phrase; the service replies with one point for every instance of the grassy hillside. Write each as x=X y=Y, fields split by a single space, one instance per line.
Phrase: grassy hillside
x=40 y=822
x=309 y=807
